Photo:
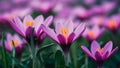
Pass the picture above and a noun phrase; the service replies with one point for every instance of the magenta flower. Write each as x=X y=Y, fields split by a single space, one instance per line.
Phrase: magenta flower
x=81 y=12
x=65 y=33
x=19 y=44
x=97 y=20
x=98 y=54
x=104 y=8
x=44 y=6
x=112 y=23
x=93 y=33
x=25 y=28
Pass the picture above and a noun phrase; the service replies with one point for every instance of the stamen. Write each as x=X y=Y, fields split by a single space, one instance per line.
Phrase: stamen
x=15 y=44
x=101 y=50
x=113 y=24
x=64 y=32
x=91 y=34
x=29 y=24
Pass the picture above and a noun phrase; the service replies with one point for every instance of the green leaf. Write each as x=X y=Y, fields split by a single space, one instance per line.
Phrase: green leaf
x=4 y=52
x=39 y=55
x=43 y=48
x=13 y=53
x=59 y=60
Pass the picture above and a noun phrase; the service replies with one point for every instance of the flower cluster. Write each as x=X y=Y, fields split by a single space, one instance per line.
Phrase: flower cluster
x=67 y=23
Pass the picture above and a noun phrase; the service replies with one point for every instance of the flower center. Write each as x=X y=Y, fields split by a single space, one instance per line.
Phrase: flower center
x=100 y=21
x=64 y=32
x=101 y=50
x=113 y=24
x=29 y=24
x=91 y=34
x=15 y=44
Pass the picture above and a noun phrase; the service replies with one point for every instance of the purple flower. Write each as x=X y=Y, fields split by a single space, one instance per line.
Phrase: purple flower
x=19 y=44
x=98 y=54
x=104 y=8
x=112 y=23
x=9 y=9
x=97 y=20
x=65 y=33
x=81 y=12
x=93 y=33
x=25 y=28
x=44 y=6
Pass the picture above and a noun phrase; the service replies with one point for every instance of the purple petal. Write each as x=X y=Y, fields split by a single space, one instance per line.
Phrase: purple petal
x=48 y=21
x=7 y=46
x=9 y=37
x=105 y=56
x=27 y=18
x=17 y=38
x=17 y=29
x=70 y=38
x=94 y=46
x=42 y=36
x=28 y=32
x=38 y=21
x=61 y=39
x=49 y=32
x=108 y=47
x=58 y=27
x=86 y=51
x=98 y=56
x=79 y=30
x=19 y=23
x=19 y=49
x=70 y=26
x=113 y=51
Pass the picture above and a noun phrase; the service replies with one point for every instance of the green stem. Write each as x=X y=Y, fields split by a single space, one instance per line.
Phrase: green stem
x=4 y=52
x=86 y=61
x=13 y=53
x=99 y=66
x=33 y=48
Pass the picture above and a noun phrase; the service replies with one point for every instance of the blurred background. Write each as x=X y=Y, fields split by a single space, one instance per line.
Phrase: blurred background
x=102 y=16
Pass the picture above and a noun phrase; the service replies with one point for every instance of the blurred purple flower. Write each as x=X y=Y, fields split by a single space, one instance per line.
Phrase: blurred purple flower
x=97 y=20
x=9 y=9
x=112 y=23
x=81 y=12
x=65 y=33
x=89 y=2
x=98 y=54
x=93 y=33
x=104 y=8
x=44 y=6
x=25 y=28
x=19 y=44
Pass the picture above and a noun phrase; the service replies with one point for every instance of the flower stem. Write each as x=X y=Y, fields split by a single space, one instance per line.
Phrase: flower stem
x=33 y=48
x=86 y=61
x=13 y=54
x=99 y=66
x=4 y=52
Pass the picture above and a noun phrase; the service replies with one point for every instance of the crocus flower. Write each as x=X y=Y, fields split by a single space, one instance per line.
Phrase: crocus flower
x=93 y=33
x=89 y=2
x=65 y=33
x=81 y=12
x=19 y=44
x=25 y=28
x=98 y=54
x=97 y=20
x=44 y=6
x=8 y=9
x=112 y=23
x=104 y=8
